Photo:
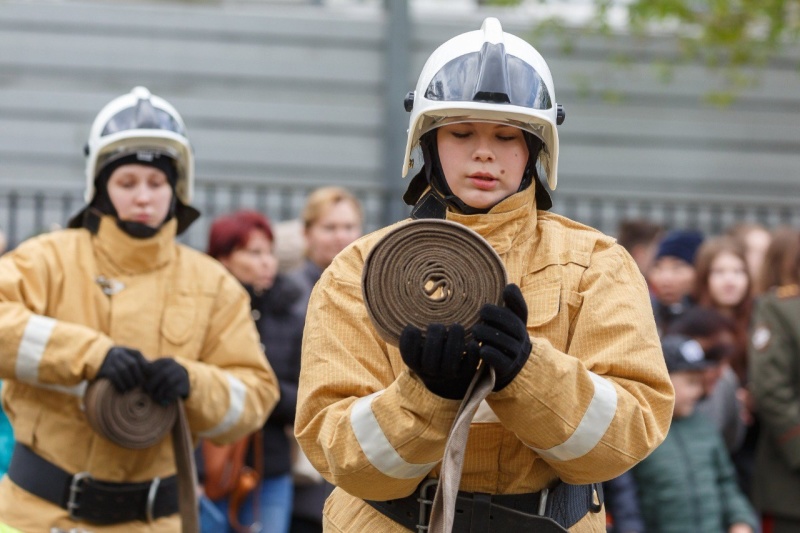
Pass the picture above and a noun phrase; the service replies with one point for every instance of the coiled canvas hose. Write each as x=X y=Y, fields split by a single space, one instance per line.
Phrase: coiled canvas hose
x=430 y=271
x=133 y=420
x=433 y=271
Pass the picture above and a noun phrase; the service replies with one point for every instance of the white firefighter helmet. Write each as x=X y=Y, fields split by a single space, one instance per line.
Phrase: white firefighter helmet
x=487 y=76
x=140 y=123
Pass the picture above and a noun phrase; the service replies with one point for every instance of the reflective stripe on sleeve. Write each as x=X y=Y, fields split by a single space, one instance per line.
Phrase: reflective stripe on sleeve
x=32 y=346
x=236 y=393
x=30 y=352
x=376 y=446
x=592 y=426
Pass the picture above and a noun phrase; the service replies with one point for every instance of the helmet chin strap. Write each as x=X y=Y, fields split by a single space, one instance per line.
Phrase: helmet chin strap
x=102 y=205
x=435 y=202
x=435 y=175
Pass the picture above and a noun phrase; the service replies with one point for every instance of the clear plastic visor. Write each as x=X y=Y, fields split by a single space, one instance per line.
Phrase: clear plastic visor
x=430 y=122
x=459 y=81
x=142 y=116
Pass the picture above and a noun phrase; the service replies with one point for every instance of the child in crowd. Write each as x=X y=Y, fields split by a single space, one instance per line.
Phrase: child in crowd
x=672 y=276
x=688 y=484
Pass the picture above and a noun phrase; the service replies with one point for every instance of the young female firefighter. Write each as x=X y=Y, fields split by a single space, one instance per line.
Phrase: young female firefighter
x=117 y=297
x=581 y=391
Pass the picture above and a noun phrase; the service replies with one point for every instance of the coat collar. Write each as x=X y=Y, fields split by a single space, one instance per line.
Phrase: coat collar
x=511 y=220
x=124 y=254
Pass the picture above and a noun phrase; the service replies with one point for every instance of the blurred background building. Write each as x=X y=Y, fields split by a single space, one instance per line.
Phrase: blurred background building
x=282 y=96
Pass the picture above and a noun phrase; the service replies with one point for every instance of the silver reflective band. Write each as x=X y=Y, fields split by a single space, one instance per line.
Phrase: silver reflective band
x=151 y=498
x=76 y=390
x=30 y=352
x=592 y=427
x=31 y=347
x=237 y=393
x=379 y=451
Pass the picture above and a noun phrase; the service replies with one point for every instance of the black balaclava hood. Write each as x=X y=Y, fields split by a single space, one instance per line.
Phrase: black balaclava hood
x=101 y=203
x=434 y=204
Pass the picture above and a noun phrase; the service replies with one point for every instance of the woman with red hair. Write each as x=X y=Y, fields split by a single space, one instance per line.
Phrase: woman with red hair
x=243 y=243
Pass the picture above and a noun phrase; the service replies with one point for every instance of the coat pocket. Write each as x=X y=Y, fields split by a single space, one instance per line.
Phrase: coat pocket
x=179 y=325
x=547 y=316
x=543 y=299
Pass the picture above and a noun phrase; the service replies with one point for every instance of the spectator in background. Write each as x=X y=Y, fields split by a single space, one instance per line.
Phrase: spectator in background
x=775 y=384
x=672 y=276
x=242 y=242
x=688 y=484
x=777 y=269
x=723 y=283
x=755 y=239
x=640 y=237
x=622 y=505
x=332 y=219
x=716 y=334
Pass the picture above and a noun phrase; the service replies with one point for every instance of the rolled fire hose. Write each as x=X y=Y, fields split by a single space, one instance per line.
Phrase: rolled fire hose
x=133 y=420
x=433 y=271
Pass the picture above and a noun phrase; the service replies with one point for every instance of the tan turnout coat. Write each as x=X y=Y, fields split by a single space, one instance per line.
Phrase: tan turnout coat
x=58 y=324
x=593 y=399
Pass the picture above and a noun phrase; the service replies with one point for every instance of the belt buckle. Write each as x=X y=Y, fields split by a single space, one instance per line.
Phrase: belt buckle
x=543 y=494
x=75 y=488
x=425 y=501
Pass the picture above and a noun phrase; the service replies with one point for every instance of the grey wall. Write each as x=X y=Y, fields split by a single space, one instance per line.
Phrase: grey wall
x=280 y=99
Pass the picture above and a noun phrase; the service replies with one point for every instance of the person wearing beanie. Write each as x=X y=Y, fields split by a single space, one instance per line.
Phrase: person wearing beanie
x=672 y=276
x=689 y=483
x=116 y=297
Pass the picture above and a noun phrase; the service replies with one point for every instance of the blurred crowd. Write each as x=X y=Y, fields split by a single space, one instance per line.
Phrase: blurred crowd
x=710 y=298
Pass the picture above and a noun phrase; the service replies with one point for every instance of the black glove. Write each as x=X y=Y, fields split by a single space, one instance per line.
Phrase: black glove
x=503 y=334
x=123 y=367
x=440 y=360
x=167 y=380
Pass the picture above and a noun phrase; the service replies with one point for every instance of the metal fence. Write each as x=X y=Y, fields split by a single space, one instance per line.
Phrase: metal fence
x=27 y=212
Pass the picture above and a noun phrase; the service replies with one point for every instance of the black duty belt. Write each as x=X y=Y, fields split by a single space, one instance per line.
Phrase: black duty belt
x=91 y=500
x=547 y=511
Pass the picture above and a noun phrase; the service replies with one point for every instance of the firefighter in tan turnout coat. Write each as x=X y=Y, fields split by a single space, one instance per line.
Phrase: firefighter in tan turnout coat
x=118 y=297
x=582 y=392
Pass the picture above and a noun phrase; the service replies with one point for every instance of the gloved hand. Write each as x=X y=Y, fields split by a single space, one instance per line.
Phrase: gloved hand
x=123 y=367
x=503 y=334
x=440 y=359
x=166 y=381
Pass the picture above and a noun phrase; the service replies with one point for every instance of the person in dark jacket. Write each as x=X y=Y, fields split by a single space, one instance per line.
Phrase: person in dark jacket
x=243 y=242
x=672 y=276
x=332 y=219
x=689 y=483
x=775 y=382
x=622 y=504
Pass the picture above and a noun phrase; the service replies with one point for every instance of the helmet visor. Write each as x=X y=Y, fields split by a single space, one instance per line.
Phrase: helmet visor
x=142 y=116
x=463 y=79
